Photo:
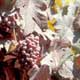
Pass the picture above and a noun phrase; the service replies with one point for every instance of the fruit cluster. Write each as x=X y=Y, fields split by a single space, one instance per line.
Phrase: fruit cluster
x=29 y=51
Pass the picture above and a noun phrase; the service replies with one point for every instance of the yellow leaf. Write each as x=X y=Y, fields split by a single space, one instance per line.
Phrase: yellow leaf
x=73 y=51
x=12 y=47
x=58 y=3
x=51 y=24
x=53 y=21
x=54 y=9
x=69 y=1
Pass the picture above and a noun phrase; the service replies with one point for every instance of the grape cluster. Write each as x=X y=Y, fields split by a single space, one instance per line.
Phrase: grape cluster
x=7 y=24
x=29 y=51
x=5 y=30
